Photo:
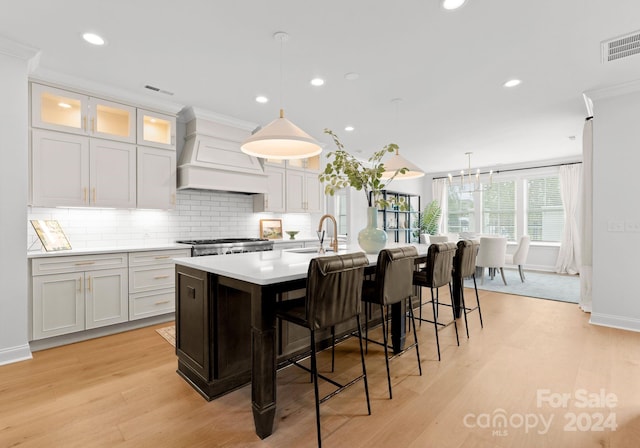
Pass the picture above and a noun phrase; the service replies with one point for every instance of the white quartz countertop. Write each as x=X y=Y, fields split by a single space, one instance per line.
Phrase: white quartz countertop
x=270 y=267
x=105 y=250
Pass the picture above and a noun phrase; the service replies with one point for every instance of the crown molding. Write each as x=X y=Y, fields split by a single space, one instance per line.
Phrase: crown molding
x=189 y=113
x=17 y=49
x=615 y=90
x=92 y=88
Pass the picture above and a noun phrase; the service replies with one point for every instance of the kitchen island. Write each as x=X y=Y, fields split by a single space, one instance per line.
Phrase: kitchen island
x=226 y=332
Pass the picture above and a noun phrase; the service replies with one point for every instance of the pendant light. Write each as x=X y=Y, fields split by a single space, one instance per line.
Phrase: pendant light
x=398 y=162
x=281 y=139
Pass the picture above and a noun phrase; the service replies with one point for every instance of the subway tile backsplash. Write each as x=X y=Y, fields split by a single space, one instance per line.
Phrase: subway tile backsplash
x=198 y=214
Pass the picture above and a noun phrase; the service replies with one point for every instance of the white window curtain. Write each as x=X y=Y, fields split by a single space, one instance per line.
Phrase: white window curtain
x=569 y=258
x=439 y=191
x=586 y=270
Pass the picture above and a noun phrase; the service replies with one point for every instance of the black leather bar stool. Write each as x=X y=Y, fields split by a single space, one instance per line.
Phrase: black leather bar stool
x=392 y=284
x=334 y=288
x=464 y=266
x=437 y=273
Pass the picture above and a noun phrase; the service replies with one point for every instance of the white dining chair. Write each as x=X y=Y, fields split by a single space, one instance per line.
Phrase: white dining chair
x=492 y=255
x=519 y=257
x=425 y=238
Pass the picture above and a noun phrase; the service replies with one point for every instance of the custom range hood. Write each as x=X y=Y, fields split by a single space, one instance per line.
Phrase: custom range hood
x=211 y=158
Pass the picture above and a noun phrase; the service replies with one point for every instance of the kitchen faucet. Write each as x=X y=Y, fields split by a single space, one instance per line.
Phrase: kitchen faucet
x=334 y=239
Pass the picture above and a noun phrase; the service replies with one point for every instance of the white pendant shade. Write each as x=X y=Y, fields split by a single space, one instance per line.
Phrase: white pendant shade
x=398 y=162
x=281 y=140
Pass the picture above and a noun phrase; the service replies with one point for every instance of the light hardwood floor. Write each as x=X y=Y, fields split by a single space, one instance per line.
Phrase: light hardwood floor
x=122 y=391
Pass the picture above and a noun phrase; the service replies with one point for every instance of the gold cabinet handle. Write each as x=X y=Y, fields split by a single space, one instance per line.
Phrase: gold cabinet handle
x=84 y=123
x=173 y=199
x=162 y=302
x=89 y=283
x=94 y=195
x=159 y=277
x=84 y=263
x=161 y=257
x=79 y=284
x=84 y=194
x=93 y=125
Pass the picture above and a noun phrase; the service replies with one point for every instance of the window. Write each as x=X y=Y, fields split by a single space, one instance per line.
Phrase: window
x=499 y=210
x=461 y=215
x=340 y=211
x=545 y=214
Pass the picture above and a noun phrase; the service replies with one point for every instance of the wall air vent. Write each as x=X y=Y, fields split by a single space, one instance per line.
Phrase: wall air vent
x=620 y=47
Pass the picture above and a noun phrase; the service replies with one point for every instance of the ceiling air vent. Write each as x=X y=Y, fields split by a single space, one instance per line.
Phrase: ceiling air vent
x=620 y=47
x=157 y=89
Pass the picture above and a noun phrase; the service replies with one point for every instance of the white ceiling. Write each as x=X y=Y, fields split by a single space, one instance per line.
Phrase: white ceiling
x=447 y=66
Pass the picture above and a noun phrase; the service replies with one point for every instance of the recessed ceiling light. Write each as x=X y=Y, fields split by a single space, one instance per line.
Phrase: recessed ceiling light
x=349 y=128
x=351 y=76
x=317 y=82
x=262 y=99
x=512 y=83
x=452 y=4
x=64 y=105
x=93 y=39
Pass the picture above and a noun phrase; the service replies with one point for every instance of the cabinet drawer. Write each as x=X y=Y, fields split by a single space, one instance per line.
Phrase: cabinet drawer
x=148 y=304
x=77 y=263
x=156 y=257
x=149 y=278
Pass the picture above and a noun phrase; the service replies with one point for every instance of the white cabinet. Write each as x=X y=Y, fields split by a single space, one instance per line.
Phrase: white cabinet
x=78 y=292
x=157 y=130
x=58 y=304
x=304 y=193
x=152 y=282
x=156 y=178
x=106 y=299
x=293 y=187
x=70 y=170
x=112 y=174
x=62 y=110
x=274 y=201
x=83 y=152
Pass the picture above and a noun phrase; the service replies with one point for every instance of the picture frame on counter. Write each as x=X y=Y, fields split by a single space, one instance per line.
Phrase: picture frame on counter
x=271 y=229
x=51 y=235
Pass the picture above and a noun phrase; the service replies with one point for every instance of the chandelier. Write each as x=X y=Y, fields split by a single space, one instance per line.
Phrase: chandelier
x=470 y=182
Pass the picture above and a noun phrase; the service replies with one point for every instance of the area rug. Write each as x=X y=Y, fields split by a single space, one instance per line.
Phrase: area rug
x=543 y=285
x=169 y=333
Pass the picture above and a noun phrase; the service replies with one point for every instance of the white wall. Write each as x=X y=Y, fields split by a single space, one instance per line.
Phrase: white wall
x=13 y=198
x=616 y=158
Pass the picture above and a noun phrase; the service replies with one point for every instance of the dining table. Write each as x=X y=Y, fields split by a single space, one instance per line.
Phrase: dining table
x=263 y=276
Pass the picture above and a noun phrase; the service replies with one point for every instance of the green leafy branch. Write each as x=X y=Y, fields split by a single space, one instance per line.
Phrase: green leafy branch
x=347 y=171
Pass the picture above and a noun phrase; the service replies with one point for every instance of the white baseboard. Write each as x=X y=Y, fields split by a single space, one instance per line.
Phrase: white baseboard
x=15 y=354
x=609 y=320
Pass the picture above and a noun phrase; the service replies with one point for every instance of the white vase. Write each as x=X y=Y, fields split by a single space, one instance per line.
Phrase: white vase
x=371 y=239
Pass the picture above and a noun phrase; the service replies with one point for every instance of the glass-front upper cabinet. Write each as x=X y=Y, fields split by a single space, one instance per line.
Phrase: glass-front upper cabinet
x=62 y=110
x=58 y=109
x=112 y=120
x=155 y=129
x=310 y=163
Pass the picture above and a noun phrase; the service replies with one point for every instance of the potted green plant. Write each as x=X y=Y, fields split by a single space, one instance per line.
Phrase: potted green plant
x=430 y=218
x=344 y=170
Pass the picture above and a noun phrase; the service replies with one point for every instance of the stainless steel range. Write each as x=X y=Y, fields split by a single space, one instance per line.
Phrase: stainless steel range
x=223 y=246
